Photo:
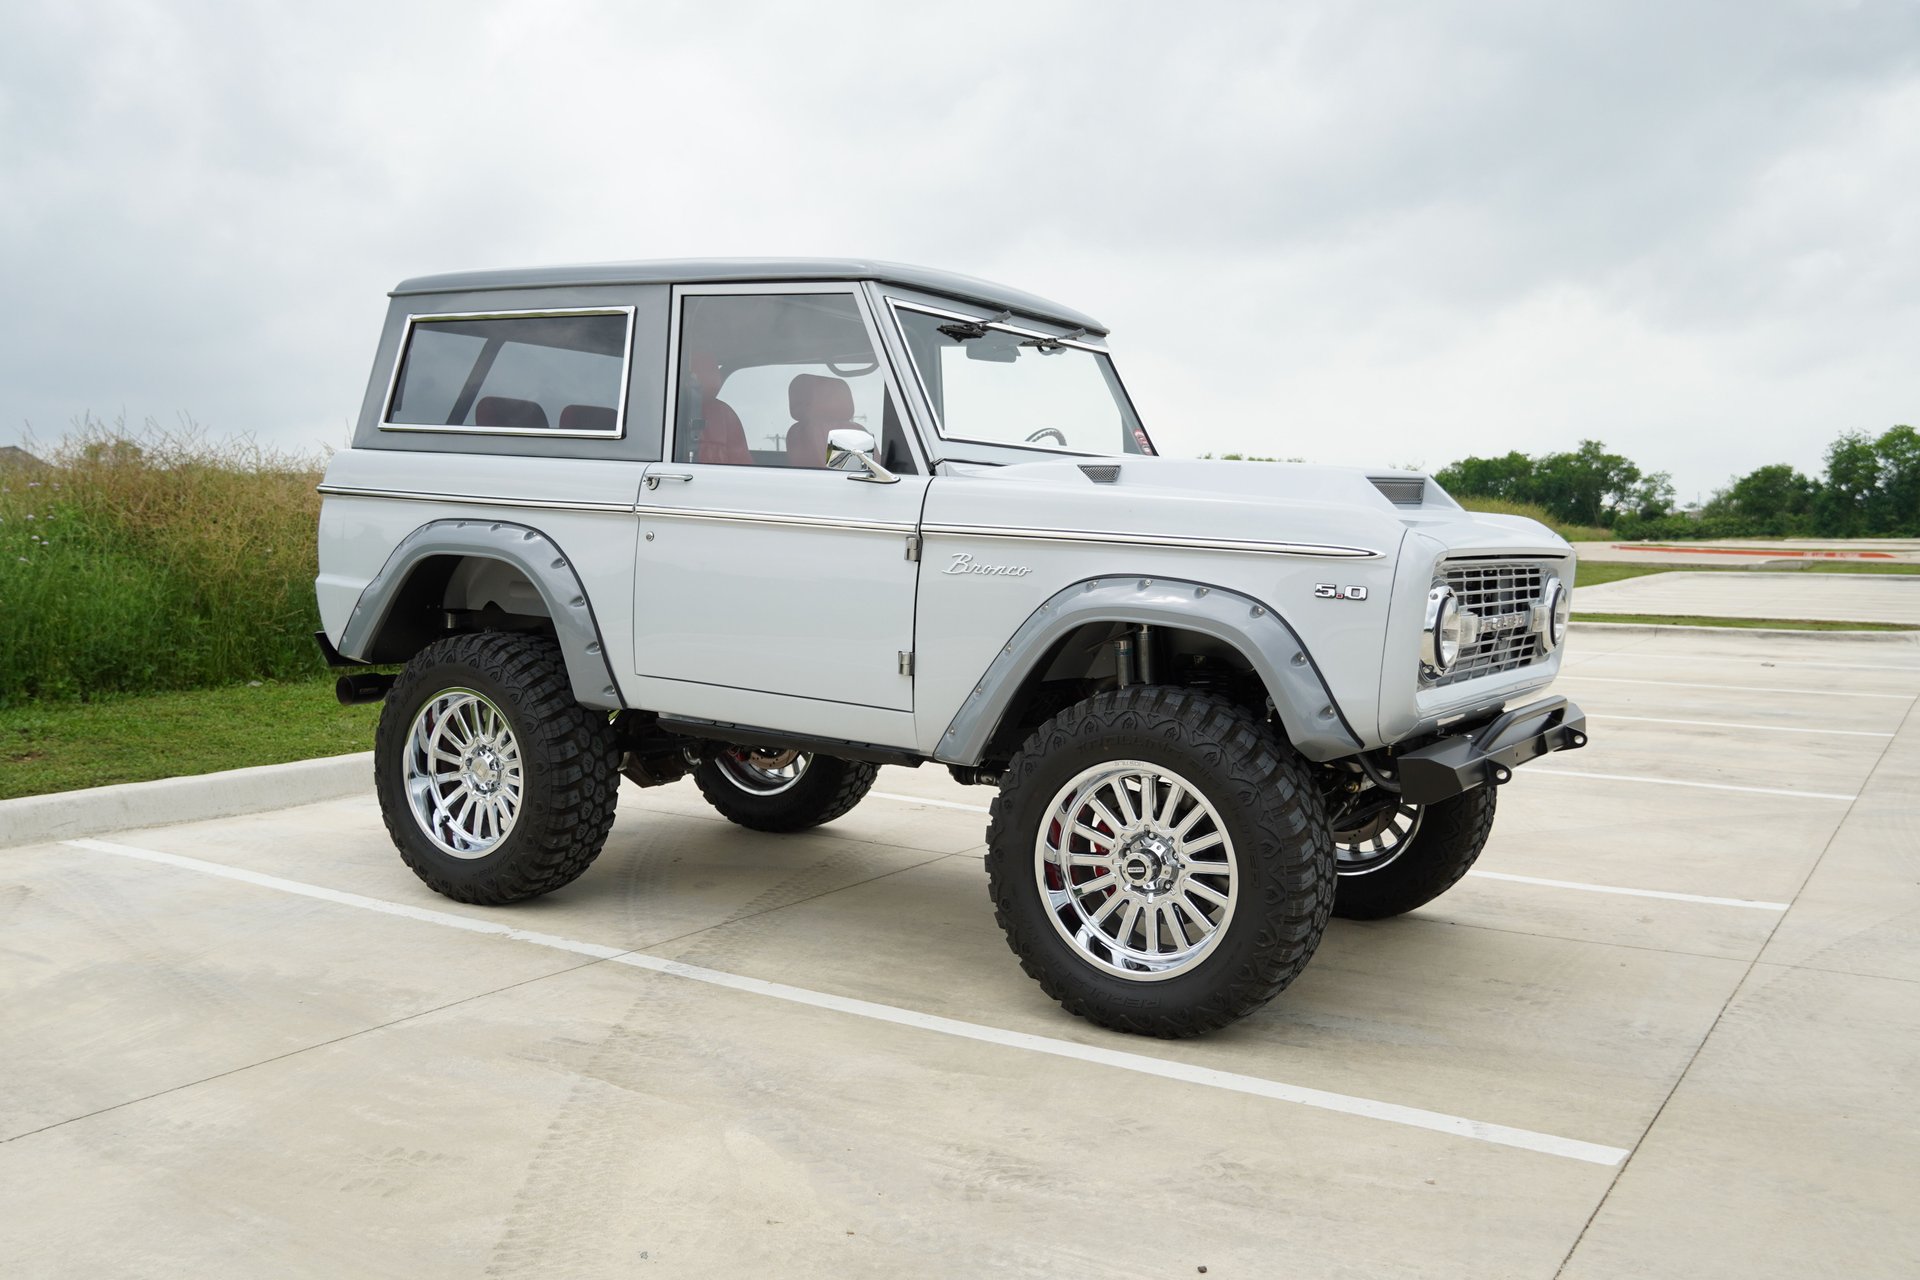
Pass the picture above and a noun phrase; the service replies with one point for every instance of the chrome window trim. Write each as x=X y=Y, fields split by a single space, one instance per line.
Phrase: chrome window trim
x=1308 y=549
x=474 y=499
x=619 y=431
x=897 y=305
x=752 y=288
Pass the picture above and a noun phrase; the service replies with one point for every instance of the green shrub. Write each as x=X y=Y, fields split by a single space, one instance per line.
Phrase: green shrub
x=155 y=561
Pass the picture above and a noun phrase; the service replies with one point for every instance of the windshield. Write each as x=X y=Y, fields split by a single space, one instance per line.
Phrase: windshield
x=997 y=386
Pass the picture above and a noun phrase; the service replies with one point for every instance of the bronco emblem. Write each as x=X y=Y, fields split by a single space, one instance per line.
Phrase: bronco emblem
x=963 y=563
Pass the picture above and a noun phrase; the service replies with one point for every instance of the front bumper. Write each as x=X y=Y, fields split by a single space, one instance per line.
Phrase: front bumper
x=1489 y=754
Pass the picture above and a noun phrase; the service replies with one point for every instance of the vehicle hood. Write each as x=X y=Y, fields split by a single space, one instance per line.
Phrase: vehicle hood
x=1205 y=500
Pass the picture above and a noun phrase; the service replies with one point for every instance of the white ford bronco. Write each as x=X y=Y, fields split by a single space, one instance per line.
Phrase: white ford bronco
x=776 y=523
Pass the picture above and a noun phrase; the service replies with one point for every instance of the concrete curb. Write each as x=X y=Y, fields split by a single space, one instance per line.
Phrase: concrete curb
x=1665 y=628
x=66 y=815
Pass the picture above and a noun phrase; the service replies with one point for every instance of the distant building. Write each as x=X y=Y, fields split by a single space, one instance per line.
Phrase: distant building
x=13 y=457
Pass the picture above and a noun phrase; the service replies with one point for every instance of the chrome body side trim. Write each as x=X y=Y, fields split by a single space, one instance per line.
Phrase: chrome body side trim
x=768 y=517
x=1308 y=549
x=619 y=431
x=475 y=499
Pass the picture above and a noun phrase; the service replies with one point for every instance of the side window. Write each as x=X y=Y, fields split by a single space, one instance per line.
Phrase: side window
x=562 y=373
x=764 y=378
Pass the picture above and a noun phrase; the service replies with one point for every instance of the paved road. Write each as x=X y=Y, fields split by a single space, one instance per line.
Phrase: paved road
x=1819 y=597
x=1672 y=1031
x=1753 y=551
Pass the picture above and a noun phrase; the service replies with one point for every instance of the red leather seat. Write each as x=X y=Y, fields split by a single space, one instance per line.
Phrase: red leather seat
x=819 y=405
x=722 y=439
x=505 y=411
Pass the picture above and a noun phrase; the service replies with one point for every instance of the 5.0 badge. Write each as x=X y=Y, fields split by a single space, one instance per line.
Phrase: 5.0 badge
x=1328 y=591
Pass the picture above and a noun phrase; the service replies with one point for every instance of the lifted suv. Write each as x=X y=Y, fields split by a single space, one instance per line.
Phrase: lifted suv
x=775 y=523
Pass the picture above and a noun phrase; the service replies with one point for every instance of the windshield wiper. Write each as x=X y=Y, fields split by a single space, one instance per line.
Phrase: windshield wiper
x=962 y=330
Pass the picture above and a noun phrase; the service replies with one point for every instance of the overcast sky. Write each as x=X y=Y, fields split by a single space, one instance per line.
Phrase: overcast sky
x=1358 y=233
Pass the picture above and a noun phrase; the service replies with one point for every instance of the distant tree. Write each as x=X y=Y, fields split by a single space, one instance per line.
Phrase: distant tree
x=1509 y=477
x=1589 y=485
x=1895 y=506
x=1775 y=500
x=1853 y=476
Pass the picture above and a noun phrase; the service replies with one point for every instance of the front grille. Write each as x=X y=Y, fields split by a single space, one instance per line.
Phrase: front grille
x=1499 y=592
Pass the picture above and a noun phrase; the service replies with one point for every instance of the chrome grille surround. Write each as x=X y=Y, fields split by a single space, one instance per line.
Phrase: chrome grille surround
x=1503 y=596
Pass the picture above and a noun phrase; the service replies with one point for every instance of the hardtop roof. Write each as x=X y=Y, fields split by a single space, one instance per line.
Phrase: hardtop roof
x=739 y=270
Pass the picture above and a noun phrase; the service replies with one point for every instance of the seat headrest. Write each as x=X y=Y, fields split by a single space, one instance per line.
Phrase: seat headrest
x=505 y=411
x=588 y=417
x=812 y=398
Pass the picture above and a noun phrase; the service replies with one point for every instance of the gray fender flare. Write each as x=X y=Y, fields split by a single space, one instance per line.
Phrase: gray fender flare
x=530 y=551
x=1307 y=708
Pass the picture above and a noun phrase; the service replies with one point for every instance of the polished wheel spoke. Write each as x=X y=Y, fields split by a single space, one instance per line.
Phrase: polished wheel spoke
x=463 y=775
x=1136 y=869
x=1377 y=840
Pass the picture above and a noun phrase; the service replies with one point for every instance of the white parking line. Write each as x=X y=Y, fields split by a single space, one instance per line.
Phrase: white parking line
x=1765 y=662
x=1186 y=1073
x=1763 y=728
x=1552 y=771
x=1733 y=688
x=1752 y=903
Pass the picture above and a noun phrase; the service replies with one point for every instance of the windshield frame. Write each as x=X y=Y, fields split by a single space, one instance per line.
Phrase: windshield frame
x=896 y=305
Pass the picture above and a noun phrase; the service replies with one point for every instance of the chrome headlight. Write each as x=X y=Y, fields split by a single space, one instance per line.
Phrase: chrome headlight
x=1556 y=608
x=1440 y=642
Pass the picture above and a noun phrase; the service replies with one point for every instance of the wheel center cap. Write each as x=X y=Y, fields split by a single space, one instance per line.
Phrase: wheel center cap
x=1148 y=863
x=483 y=770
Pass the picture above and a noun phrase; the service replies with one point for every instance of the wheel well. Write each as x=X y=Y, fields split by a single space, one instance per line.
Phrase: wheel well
x=448 y=595
x=1096 y=656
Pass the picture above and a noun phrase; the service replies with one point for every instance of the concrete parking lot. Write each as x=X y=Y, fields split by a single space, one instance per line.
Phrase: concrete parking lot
x=1670 y=1027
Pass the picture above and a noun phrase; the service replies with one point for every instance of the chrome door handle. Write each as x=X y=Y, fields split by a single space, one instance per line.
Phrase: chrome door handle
x=655 y=477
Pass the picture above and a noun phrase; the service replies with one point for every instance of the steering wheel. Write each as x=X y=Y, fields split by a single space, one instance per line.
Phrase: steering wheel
x=1044 y=432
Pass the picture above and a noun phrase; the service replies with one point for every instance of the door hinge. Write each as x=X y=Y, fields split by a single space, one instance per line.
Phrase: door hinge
x=913 y=546
x=906 y=662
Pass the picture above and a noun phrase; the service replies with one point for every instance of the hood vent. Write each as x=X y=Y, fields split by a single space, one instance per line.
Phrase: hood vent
x=1109 y=474
x=1401 y=491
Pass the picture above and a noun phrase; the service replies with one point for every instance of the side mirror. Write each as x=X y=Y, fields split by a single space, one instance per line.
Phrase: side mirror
x=851 y=449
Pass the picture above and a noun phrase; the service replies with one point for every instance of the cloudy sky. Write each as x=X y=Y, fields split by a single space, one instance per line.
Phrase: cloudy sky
x=1361 y=233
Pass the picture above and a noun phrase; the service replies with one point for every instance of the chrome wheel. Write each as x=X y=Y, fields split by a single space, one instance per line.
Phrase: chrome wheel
x=1137 y=870
x=1374 y=843
x=463 y=775
x=764 y=772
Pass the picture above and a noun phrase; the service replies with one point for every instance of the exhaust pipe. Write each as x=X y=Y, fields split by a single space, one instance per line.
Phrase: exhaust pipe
x=353 y=690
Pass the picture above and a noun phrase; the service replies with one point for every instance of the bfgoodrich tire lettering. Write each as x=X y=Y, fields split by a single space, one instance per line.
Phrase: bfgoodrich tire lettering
x=1444 y=845
x=1269 y=811
x=568 y=767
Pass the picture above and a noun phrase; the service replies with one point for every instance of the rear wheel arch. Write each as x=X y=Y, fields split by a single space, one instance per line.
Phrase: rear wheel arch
x=452 y=576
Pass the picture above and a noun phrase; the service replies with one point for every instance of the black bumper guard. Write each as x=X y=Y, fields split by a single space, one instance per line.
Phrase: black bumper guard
x=1489 y=754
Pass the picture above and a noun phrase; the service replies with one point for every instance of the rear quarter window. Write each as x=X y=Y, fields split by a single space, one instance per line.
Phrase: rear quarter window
x=536 y=373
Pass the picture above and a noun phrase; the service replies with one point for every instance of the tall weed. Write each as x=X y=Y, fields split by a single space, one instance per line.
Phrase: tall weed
x=155 y=560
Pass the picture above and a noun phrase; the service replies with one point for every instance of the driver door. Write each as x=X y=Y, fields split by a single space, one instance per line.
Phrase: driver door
x=761 y=575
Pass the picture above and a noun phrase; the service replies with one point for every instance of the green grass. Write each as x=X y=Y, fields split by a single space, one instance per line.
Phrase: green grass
x=61 y=746
x=1778 y=624
x=1590 y=574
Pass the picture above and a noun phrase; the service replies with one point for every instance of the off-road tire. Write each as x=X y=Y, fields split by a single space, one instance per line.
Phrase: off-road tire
x=1451 y=835
x=1274 y=814
x=829 y=789
x=570 y=761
